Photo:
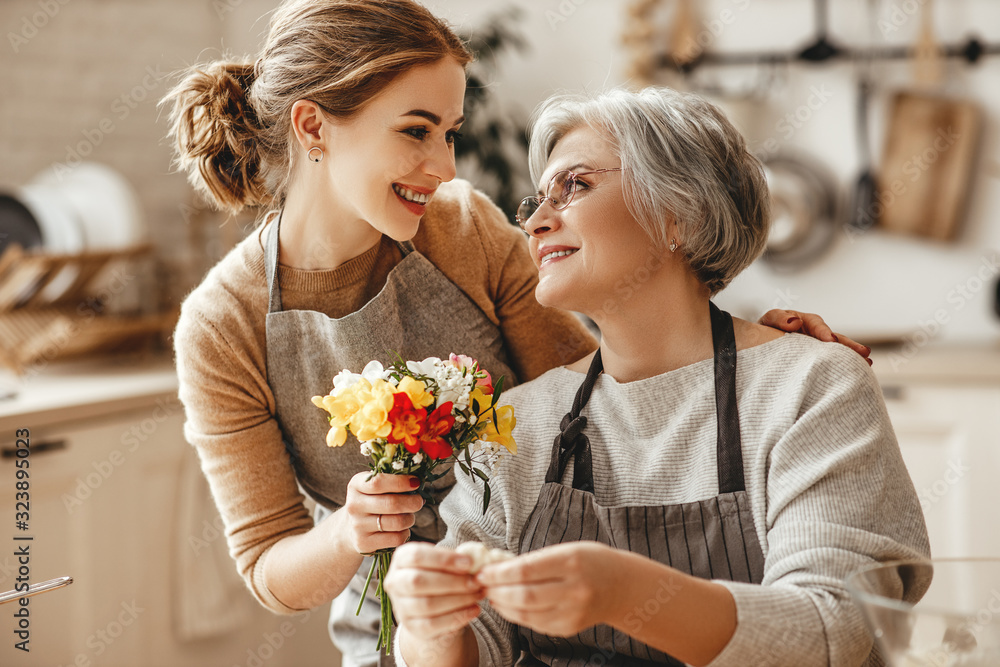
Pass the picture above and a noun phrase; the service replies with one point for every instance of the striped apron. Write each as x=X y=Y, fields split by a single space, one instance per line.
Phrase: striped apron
x=713 y=538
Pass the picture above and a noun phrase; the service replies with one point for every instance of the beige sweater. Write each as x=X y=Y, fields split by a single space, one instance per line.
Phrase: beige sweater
x=826 y=481
x=220 y=348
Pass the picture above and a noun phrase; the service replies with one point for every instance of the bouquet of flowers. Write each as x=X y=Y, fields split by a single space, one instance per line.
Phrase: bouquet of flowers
x=413 y=418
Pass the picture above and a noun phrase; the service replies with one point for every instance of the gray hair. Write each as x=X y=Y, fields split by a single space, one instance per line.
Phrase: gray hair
x=682 y=160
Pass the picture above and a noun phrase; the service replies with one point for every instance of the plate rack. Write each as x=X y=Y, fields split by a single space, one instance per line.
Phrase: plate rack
x=50 y=308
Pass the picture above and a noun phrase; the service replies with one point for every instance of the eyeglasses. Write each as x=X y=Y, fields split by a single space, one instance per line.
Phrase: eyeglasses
x=559 y=193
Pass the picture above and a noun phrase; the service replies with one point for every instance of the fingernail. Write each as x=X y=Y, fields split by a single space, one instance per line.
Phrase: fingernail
x=870 y=362
x=414 y=482
x=835 y=338
x=791 y=319
x=463 y=561
x=868 y=350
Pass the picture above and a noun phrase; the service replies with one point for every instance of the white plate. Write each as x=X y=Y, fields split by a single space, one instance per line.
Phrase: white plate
x=106 y=204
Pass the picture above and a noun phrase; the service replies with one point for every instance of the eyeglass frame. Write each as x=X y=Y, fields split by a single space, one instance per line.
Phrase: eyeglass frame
x=569 y=198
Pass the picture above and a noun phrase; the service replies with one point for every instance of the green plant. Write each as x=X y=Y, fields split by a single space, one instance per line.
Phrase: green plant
x=493 y=145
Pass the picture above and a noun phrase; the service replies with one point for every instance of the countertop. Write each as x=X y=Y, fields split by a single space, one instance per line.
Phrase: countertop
x=941 y=363
x=85 y=389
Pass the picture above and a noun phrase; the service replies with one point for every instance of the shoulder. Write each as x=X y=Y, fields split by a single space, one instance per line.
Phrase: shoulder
x=799 y=369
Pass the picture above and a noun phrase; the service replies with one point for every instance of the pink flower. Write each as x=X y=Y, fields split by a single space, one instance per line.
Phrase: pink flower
x=464 y=361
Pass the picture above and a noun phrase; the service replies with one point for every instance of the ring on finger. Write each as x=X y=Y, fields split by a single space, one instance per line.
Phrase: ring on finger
x=378 y=523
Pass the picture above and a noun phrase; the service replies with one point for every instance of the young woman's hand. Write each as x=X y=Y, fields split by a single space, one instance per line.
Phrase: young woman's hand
x=432 y=591
x=813 y=325
x=384 y=502
x=559 y=590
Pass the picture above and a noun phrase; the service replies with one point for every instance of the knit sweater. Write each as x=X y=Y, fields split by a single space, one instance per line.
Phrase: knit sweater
x=824 y=475
x=220 y=347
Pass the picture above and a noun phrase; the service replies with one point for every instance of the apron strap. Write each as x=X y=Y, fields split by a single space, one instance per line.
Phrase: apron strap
x=729 y=450
x=406 y=247
x=571 y=441
x=271 y=267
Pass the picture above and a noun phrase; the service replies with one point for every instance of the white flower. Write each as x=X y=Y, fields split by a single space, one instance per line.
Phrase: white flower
x=426 y=367
x=397 y=465
x=345 y=379
x=374 y=371
x=452 y=386
x=418 y=457
x=366 y=448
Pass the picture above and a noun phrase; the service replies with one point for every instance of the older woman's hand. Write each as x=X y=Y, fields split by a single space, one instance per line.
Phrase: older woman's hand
x=558 y=590
x=432 y=589
x=813 y=325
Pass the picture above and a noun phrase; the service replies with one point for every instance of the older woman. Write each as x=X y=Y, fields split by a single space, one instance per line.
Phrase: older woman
x=712 y=481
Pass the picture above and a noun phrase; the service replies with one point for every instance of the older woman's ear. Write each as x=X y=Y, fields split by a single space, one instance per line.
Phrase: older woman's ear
x=813 y=325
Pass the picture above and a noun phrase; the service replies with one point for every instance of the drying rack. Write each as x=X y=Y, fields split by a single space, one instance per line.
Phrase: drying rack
x=49 y=308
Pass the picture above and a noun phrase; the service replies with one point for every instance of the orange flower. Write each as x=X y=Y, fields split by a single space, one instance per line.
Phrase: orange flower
x=438 y=424
x=407 y=422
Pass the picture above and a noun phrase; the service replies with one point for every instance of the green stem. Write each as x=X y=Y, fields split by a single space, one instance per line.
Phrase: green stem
x=380 y=561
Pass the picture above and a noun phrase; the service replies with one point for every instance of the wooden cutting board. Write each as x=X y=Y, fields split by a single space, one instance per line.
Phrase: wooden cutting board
x=928 y=166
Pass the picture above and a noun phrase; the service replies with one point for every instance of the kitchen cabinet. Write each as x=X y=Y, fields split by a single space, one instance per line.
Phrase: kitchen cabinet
x=945 y=409
x=107 y=468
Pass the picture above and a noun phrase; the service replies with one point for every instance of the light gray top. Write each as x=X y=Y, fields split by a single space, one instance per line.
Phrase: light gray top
x=827 y=486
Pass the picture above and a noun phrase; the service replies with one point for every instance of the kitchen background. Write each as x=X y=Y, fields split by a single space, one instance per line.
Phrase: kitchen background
x=83 y=78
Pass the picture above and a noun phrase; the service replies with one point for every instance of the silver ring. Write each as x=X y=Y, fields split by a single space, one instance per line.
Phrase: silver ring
x=378 y=523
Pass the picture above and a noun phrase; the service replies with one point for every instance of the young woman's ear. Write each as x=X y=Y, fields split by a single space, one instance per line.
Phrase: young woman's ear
x=307 y=123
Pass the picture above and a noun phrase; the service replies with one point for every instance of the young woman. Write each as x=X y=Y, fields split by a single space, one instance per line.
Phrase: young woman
x=712 y=482
x=343 y=128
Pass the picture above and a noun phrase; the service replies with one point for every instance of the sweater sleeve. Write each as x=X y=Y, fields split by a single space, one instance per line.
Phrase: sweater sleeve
x=230 y=421
x=838 y=498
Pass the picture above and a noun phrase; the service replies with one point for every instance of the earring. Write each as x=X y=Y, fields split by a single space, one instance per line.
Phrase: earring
x=315 y=158
x=673 y=245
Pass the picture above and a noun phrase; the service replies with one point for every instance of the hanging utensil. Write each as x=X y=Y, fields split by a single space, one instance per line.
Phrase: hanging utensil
x=822 y=48
x=862 y=212
x=861 y=215
x=928 y=67
x=684 y=48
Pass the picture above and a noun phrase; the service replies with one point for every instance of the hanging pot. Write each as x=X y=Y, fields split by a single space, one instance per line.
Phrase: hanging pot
x=803 y=211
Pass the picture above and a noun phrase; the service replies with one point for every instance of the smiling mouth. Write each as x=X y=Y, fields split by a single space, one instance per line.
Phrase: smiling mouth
x=557 y=254
x=410 y=195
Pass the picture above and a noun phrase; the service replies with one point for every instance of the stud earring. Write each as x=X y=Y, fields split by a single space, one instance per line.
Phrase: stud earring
x=673 y=245
x=315 y=158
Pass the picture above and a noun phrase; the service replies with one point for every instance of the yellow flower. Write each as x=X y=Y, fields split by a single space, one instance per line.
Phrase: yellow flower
x=371 y=420
x=345 y=404
x=482 y=398
x=336 y=436
x=501 y=432
x=416 y=390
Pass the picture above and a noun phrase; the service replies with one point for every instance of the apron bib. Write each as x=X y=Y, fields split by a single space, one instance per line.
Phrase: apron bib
x=419 y=313
x=712 y=539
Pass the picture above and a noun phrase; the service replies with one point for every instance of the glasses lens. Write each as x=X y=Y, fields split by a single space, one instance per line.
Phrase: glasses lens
x=561 y=189
x=526 y=209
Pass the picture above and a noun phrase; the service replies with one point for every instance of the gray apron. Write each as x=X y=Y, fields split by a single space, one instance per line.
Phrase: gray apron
x=419 y=314
x=712 y=539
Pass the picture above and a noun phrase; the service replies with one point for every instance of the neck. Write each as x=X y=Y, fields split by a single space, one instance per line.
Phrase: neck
x=663 y=328
x=316 y=234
